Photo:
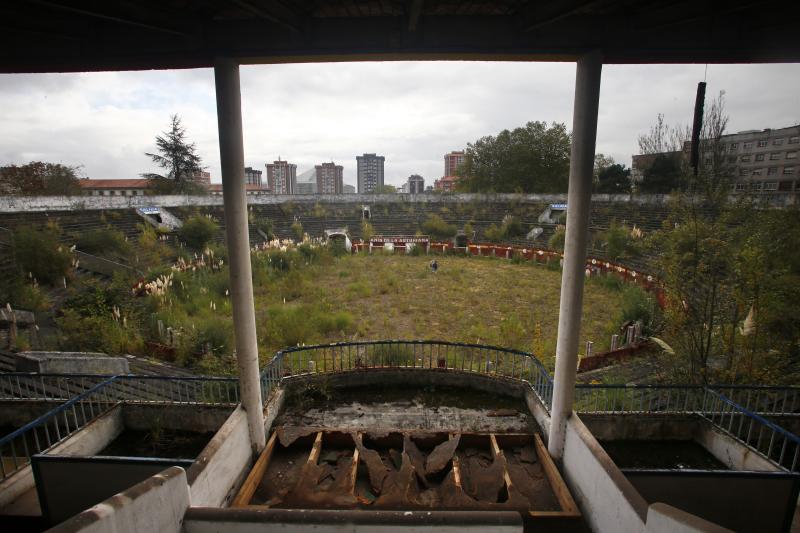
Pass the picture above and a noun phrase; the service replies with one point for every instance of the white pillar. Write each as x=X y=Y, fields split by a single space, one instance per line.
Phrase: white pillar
x=584 y=133
x=231 y=151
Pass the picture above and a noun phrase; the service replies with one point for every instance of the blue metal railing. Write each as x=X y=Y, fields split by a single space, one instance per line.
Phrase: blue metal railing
x=53 y=427
x=638 y=398
x=746 y=405
x=767 y=438
x=171 y=389
x=493 y=361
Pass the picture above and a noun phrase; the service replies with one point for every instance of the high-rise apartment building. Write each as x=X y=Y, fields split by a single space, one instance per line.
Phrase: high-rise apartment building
x=330 y=178
x=764 y=161
x=451 y=162
x=252 y=176
x=415 y=184
x=369 y=173
x=282 y=177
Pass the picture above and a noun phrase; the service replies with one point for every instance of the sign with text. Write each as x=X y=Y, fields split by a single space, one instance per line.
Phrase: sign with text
x=400 y=240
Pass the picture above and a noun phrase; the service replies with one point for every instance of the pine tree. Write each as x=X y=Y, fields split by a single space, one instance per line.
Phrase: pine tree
x=178 y=157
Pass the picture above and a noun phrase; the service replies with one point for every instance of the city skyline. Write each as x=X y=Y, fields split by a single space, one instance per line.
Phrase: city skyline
x=410 y=112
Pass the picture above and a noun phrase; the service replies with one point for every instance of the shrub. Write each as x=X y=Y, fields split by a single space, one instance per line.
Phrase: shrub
x=150 y=251
x=469 y=229
x=640 y=306
x=435 y=226
x=198 y=231
x=512 y=227
x=104 y=241
x=618 y=242
x=319 y=211
x=97 y=334
x=556 y=241
x=39 y=253
x=509 y=228
x=213 y=335
x=27 y=296
x=90 y=300
x=311 y=254
x=417 y=250
x=290 y=325
x=266 y=227
x=493 y=233
x=367 y=231
x=297 y=231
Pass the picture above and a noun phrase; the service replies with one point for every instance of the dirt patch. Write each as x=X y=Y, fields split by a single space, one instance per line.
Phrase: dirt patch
x=528 y=478
x=282 y=475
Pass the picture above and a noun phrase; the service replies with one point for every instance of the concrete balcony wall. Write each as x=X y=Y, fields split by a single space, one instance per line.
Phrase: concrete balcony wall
x=156 y=504
x=87 y=441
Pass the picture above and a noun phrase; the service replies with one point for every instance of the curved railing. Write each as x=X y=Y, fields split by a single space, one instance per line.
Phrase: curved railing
x=489 y=360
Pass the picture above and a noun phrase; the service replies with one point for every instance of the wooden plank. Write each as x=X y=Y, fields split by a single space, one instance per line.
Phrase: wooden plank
x=353 y=472
x=497 y=451
x=456 y=471
x=256 y=474
x=313 y=457
x=456 y=463
x=560 y=488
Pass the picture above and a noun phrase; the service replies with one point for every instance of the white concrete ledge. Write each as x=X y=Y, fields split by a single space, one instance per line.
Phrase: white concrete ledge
x=663 y=518
x=156 y=504
x=15 y=204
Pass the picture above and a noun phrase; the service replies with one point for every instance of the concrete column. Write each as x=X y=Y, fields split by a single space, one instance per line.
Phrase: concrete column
x=231 y=151
x=584 y=132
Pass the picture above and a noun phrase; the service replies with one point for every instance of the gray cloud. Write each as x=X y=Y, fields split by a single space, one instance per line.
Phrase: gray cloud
x=412 y=113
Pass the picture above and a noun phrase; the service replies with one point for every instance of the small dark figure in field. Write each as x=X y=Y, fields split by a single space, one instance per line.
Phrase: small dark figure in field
x=434 y=266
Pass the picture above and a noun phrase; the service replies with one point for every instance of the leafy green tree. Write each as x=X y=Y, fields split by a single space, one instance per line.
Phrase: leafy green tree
x=40 y=254
x=731 y=274
x=664 y=175
x=178 y=157
x=39 y=179
x=531 y=159
x=613 y=179
x=386 y=189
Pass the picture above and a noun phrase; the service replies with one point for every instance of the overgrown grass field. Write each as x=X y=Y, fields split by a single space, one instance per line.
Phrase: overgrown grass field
x=480 y=300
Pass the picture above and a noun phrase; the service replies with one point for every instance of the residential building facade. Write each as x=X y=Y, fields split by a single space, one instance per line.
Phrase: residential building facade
x=446 y=184
x=282 y=177
x=415 y=184
x=762 y=161
x=452 y=161
x=330 y=178
x=369 y=173
x=252 y=176
x=121 y=187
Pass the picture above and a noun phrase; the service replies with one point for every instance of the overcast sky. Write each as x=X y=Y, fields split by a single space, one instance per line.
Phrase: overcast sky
x=410 y=112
